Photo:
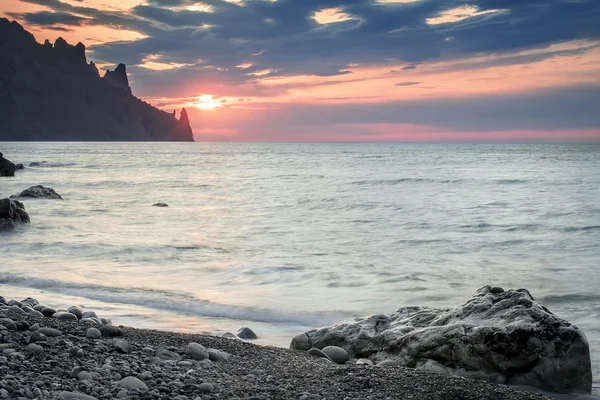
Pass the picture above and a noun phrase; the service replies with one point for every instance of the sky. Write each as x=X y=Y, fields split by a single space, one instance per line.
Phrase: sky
x=348 y=70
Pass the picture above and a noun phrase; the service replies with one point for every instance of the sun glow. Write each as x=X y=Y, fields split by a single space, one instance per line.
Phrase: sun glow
x=207 y=102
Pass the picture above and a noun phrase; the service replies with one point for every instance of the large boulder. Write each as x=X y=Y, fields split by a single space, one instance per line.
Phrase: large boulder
x=500 y=336
x=38 y=192
x=7 y=168
x=11 y=212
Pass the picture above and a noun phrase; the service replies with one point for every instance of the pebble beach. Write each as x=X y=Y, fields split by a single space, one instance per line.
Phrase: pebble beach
x=50 y=358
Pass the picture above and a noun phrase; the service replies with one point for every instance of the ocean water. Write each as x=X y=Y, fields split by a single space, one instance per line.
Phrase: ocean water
x=287 y=237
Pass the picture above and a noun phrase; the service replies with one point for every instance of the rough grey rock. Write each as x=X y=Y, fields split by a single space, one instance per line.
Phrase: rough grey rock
x=17 y=309
x=206 y=387
x=65 y=316
x=131 y=382
x=196 y=351
x=7 y=168
x=11 y=212
x=93 y=333
x=246 y=333
x=38 y=192
x=122 y=346
x=35 y=349
x=500 y=336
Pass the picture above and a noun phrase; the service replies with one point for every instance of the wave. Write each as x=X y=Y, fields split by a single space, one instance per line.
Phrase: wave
x=381 y=182
x=173 y=301
x=581 y=228
x=510 y=181
x=46 y=164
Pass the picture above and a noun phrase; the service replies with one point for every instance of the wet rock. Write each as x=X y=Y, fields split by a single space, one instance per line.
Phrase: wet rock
x=246 y=333
x=38 y=192
x=48 y=312
x=160 y=205
x=218 y=355
x=165 y=354
x=12 y=212
x=7 y=168
x=50 y=332
x=76 y=311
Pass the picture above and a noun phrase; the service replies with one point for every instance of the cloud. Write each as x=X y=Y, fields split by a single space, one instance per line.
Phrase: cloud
x=407 y=83
x=47 y=18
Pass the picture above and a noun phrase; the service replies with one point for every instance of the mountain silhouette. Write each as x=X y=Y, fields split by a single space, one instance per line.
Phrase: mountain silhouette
x=49 y=92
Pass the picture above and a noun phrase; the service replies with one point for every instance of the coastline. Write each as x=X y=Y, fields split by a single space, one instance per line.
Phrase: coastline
x=69 y=365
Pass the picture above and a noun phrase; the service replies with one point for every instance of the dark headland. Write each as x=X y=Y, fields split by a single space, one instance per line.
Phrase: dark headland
x=50 y=92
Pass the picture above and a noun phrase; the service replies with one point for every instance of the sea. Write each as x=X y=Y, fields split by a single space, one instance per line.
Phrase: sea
x=285 y=237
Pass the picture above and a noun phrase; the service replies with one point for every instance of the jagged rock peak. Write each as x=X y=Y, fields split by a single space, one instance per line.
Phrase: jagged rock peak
x=118 y=77
x=70 y=54
x=94 y=68
x=184 y=123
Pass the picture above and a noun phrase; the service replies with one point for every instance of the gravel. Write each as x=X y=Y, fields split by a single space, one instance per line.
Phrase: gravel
x=149 y=364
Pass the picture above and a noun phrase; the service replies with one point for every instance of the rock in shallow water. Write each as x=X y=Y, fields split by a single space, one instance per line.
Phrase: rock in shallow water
x=500 y=336
x=38 y=192
x=12 y=212
x=246 y=333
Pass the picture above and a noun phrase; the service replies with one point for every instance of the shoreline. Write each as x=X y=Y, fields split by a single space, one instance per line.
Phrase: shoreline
x=134 y=364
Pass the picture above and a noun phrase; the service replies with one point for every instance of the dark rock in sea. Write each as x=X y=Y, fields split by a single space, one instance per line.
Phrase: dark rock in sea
x=160 y=205
x=12 y=212
x=500 y=336
x=7 y=168
x=246 y=333
x=19 y=166
x=66 y=94
x=38 y=192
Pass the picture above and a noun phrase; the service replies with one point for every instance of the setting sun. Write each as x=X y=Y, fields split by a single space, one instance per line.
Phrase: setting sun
x=207 y=102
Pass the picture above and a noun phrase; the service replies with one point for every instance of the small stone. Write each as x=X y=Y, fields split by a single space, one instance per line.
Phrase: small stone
x=145 y=375
x=300 y=342
x=196 y=351
x=246 y=333
x=17 y=309
x=50 y=332
x=184 y=363
x=93 y=333
x=364 y=361
x=123 y=393
x=388 y=363
x=122 y=346
x=110 y=331
x=75 y=396
x=47 y=311
x=65 y=316
x=496 y=290
x=165 y=354
x=218 y=355
x=36 y=336
x=318 y=353
x=35 y=349
x=34 y=327
x=85 y=376
x=336 y=354
x=131 y=382
x=14 y=303
x=76 y=311
x=206 y=387
x=89 y=314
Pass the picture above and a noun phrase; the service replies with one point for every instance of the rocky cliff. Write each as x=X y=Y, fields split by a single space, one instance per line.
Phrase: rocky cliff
x=50 y=92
